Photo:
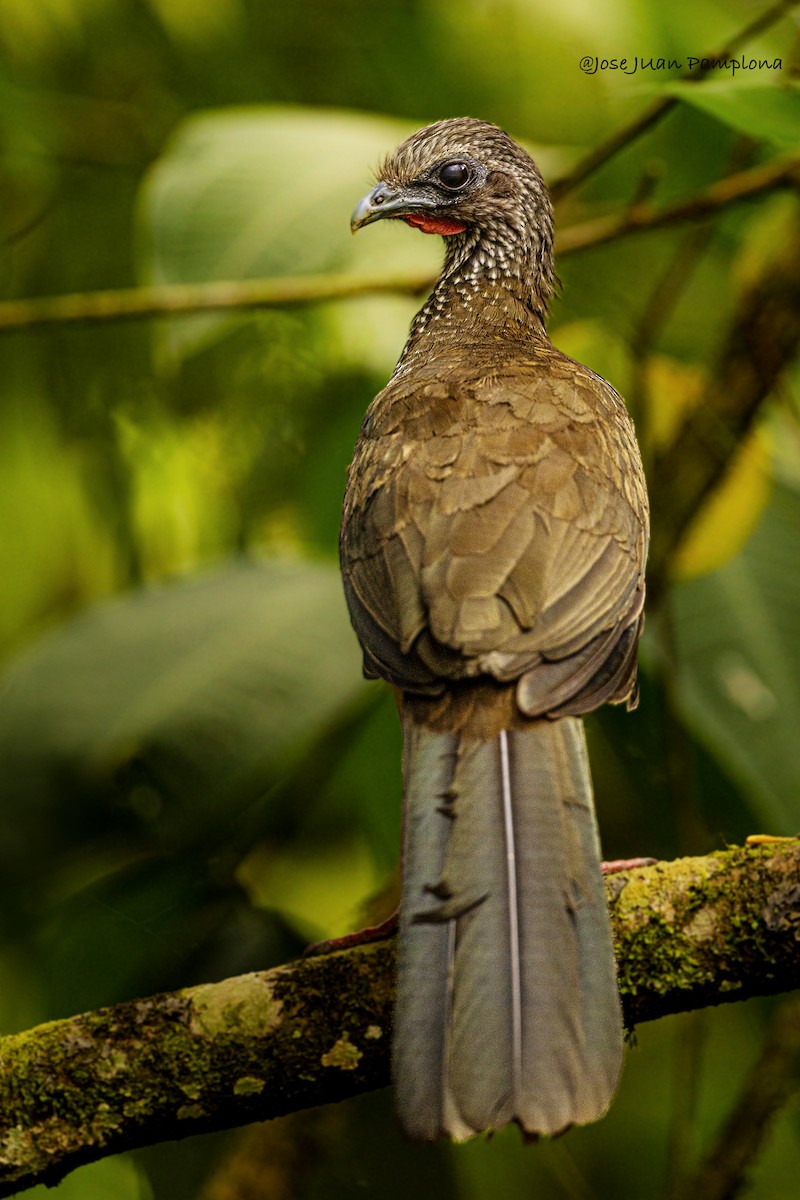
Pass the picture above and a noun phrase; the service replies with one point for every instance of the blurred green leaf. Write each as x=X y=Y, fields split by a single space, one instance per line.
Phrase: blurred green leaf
x=185 y=695
x=771 y=114
x=199 y=24
x=54 y=544
x=738 y=642
x=244 y=193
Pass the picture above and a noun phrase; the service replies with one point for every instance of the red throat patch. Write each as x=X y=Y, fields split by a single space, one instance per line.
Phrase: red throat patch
x=435 y=224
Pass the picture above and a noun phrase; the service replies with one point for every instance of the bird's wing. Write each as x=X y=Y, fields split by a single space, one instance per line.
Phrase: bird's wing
x=498 y=534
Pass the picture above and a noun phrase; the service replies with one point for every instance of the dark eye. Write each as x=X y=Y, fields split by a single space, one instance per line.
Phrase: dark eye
x=454 y=175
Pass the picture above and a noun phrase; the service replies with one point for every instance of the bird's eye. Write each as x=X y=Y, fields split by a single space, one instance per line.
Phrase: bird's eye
x=454 y=175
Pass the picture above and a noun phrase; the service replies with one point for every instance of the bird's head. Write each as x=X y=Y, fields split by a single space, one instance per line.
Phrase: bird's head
x=456 y=176
x=470 y=182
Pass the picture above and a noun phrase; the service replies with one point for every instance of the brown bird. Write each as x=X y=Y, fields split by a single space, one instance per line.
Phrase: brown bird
x=493 y=546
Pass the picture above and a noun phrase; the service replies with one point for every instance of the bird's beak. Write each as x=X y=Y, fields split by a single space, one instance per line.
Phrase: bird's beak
x=382 y=201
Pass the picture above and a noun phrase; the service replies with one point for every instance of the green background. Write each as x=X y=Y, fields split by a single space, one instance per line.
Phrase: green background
x=195 y=780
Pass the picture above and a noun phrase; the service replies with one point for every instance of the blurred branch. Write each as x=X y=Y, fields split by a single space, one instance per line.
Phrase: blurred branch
x=762 y=340
x=731 y=190
x=773 y=1079
x=600 y=155
x=657 y=311
x=689 y=933
x=662 y=301
x=238 y=295
x=178 y=299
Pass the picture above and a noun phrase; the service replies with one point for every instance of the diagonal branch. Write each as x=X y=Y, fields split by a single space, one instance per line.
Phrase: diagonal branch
x=690 y=933
x=725 y=192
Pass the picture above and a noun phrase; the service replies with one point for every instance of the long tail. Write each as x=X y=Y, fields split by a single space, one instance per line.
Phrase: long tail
x=507 y=1008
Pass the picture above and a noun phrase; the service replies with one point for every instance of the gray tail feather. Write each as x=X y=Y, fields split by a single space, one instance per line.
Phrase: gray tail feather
x=507 y=1007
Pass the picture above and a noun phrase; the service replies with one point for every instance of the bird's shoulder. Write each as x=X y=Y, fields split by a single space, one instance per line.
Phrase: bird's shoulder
x=496 y=508
x=470 y=417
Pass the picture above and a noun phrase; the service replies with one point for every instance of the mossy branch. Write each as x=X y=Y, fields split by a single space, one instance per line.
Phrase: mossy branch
x=690 y=933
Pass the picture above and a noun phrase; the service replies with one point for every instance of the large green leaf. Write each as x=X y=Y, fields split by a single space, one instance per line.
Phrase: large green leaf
x=195 y=693
x=145 y=748
x=771 y=114
x=245 y=193
x=738 y=643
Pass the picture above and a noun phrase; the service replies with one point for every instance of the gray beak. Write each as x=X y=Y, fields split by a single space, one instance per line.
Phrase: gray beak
x=382 y=201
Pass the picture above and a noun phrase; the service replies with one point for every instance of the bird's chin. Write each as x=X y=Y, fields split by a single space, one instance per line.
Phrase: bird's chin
x=429 y=223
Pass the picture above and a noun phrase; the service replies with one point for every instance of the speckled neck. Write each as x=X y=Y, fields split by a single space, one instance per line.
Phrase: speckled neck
x=493 y=275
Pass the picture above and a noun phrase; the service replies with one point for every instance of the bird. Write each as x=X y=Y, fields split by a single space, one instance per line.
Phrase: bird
x=493 y=545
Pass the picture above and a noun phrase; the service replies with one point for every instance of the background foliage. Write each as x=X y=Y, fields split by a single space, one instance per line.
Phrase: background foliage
x=195 y=780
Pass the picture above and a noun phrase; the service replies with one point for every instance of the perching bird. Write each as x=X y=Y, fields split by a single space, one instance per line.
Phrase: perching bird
x=493 y=546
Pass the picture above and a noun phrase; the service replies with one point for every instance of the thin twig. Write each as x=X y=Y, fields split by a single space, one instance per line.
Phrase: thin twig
x=731 y=190
x=662 y=301
x=769 y=1084
x=761 y=341
x=600 y=155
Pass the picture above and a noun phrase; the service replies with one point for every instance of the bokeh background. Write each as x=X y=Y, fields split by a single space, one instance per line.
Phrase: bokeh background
x=195 y=780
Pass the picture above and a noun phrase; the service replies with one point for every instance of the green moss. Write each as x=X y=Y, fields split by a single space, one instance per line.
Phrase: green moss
x=687 y=930
x=190 y=1112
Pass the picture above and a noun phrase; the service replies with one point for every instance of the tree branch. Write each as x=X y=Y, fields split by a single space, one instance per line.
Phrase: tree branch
x=126 y=304
x=725 y=192
x=179 y=299
x=689 y=933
